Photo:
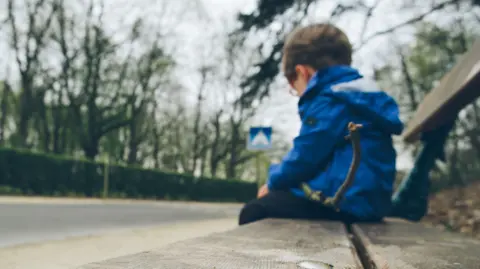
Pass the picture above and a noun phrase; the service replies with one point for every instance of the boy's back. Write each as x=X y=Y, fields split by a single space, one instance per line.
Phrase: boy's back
x=316 y=62
x=349 y=98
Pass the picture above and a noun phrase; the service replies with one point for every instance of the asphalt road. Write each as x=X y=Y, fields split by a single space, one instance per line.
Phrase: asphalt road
x=31 y=223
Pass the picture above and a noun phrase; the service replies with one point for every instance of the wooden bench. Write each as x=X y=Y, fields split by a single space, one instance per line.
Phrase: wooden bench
x=319 y=244
x=404 y=245
x=457 y=89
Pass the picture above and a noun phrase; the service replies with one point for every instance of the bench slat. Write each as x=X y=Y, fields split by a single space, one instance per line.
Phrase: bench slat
x=271 y=243
x=403 y=245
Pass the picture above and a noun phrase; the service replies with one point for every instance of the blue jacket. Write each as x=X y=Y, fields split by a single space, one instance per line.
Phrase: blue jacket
x=320 y=155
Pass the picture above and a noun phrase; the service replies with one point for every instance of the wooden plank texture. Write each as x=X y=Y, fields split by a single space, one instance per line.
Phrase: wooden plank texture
x=403 y=245
x=267 y=244
x=456 y=89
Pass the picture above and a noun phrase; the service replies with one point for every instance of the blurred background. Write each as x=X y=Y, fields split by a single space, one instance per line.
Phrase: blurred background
x=154 y=99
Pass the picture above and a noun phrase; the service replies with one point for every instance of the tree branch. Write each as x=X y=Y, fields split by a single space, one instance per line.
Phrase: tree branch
x=368 y=17
x=112 y=125
x=13 y=25
x=405 y=23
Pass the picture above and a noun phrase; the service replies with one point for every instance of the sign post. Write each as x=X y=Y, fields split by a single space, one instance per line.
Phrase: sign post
x=105 y=177
x=259 y=139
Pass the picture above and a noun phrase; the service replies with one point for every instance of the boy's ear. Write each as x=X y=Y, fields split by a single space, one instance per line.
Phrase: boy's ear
x=301 y=70
x=305 y=71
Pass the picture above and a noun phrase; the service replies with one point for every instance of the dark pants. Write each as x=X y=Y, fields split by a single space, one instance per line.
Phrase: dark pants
x=286 y=205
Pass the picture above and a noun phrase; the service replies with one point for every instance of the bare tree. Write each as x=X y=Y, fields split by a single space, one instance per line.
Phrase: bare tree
x=197 y=124
x=27 y=47
x=5 y=109
x=239 y=112
x=150 y=76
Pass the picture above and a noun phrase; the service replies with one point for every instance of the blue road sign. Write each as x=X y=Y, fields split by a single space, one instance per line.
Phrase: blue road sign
x=260 y=138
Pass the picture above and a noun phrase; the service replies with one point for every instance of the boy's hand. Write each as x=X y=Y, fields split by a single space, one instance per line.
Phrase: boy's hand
x=262 y=191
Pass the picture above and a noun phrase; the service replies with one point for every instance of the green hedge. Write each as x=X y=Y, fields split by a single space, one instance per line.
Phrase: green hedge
x=50 y=175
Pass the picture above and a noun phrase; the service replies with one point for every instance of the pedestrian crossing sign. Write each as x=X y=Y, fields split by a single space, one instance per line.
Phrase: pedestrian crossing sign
x=260 y=138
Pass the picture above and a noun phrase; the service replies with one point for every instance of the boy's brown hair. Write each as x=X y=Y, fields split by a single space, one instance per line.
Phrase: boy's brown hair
x=318 y=45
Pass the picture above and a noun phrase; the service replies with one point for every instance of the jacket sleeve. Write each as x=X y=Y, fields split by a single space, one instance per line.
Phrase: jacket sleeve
x=323 y=126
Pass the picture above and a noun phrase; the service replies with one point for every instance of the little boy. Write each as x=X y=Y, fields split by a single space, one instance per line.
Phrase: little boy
x=316 y=62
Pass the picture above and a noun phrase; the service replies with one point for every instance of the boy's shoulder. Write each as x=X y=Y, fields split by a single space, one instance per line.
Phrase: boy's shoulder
x=344 y=94
x=358 y=92
x=364 y=85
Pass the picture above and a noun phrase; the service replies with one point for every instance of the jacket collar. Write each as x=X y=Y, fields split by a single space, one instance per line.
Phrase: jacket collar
x=327 y=77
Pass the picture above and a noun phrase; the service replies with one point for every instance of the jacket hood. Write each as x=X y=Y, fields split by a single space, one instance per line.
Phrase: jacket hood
x=365 y=96
x=362 y=94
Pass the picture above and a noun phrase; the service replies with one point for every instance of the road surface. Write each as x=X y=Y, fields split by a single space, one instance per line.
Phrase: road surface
x=44 y=221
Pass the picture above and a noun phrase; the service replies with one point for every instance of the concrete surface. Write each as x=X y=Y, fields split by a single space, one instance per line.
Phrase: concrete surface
x=78 y=251
x=55 y=233
x=272 y=243
x=26 y=220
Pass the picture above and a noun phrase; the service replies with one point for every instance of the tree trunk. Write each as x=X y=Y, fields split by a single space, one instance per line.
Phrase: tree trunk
x=25 y=111
x=91 y=150
x=412 y=93
x=454 y=174
x=231 y=168
x=214 y=154
x=196 y=124
x=42 y=118
x=57 y=124
x=4 y=110
x=133 y=144
x=156 y=150
x=203 y=162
